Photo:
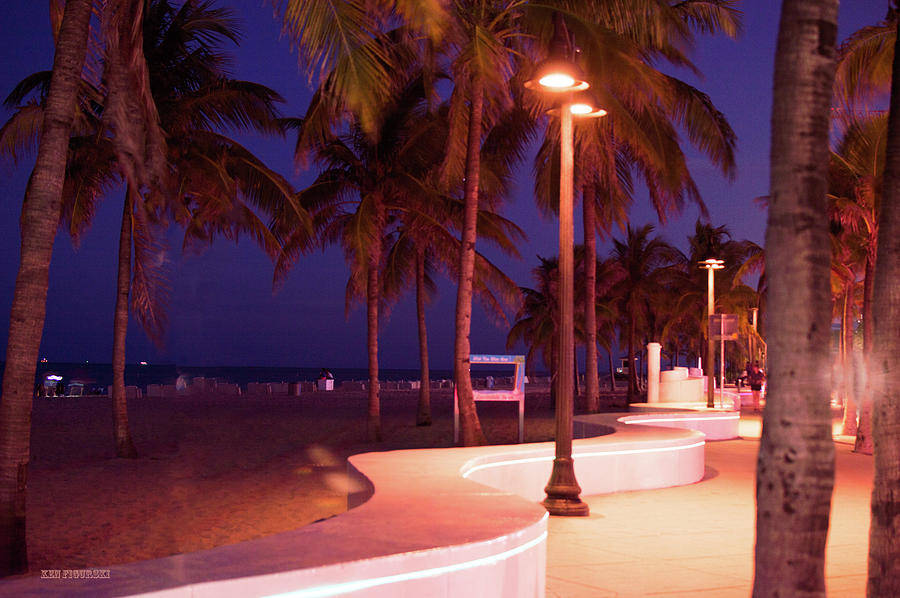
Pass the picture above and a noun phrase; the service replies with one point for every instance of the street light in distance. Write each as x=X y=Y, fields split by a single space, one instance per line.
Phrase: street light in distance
x=711 y=265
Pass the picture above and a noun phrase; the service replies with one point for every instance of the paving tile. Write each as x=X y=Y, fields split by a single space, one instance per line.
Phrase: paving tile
x=698 y=540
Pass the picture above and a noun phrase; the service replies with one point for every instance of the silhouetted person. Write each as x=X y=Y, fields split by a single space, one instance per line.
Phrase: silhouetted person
x=756 y=377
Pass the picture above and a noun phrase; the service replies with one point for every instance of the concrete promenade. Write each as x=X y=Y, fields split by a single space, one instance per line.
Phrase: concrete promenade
x=697 y=540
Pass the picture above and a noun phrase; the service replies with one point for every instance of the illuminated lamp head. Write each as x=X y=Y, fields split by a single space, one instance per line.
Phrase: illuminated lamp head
x=583 y=105
x=558 y=73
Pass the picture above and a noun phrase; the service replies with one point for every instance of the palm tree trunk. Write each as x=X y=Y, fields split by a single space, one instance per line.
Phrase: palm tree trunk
x=591 y=377
x=472 y=434
x=632 y=373
x=40 y=219
x=864 y=443
x=884 y=530
x=848 y=427
x=612 y=372
x=124 y=445
x=423 y=412
x=795 y=465
x=373 y=297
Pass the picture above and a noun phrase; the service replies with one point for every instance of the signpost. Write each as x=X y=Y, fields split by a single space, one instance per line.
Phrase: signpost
x=723 y=327
x=517 y=393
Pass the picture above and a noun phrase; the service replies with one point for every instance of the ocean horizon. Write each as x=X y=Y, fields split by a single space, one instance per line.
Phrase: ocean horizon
x=136 y=374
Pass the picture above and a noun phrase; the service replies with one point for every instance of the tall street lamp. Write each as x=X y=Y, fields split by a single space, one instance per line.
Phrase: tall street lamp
x=558 y=74
x=754 y=311
x=711 y=265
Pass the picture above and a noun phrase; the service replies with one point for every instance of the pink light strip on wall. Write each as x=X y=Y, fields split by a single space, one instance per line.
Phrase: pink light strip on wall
x=362 y=584
x=640 y=420
x=577 y=454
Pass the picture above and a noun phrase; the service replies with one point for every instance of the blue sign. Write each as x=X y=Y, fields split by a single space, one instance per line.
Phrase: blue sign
x=516 y=360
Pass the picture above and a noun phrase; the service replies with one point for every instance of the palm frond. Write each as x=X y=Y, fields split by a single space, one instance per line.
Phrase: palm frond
x=130 y=113
x=227 y=104
x=37 y=84
x=149 y=287
x=339 y=43
x=90 y=174
x=711 y=16
x=707 y=128
x=864 y=63
x=21 y=133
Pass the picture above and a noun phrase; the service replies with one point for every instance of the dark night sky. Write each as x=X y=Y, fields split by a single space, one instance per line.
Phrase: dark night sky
x=222 y=308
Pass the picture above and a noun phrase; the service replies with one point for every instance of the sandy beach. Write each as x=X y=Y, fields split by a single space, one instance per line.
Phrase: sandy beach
x=215 y=470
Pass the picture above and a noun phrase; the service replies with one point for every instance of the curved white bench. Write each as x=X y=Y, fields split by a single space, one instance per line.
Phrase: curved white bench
x=440 y=522
x=615 y=457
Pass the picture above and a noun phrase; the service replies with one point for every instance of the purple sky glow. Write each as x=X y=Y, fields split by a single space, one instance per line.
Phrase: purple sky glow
x=222 y=309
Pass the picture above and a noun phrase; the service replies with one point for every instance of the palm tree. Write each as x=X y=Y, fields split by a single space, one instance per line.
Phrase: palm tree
x=608 y=277
x=341 y=45
x=864 y=65
x=480 y=46
x=640 y=262
x=342 y=39
x=688 y=304
x=193 y=97
x=854 y=184
x=863 y=73
x=537 y=320
x=481 y=42
x=843 y=289
x=855 y=180
x=884 y=549
x=795 y=467
x=638 y=137
x=423 y=243
x=40 y=218
x=367 y=181
x=488 y=38
x=412 y=255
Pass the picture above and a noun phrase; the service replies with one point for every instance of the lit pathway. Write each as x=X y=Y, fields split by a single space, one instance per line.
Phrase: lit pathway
x=697 y=540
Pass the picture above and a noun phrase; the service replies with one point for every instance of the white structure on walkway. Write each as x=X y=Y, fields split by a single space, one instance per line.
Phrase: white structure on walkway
x=653 y=353
x=679 y=386
x=671 y=386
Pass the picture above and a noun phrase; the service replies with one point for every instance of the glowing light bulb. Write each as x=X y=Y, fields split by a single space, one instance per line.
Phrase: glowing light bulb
x=581 y=108
x=560 y=80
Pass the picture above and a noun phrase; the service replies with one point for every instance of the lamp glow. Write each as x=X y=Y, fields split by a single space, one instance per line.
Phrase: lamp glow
x=712 y=264
x=558 y=73
x=580 y=108
x=557 y=80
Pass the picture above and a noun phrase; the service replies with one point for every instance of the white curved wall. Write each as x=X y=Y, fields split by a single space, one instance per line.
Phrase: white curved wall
x=440 y=523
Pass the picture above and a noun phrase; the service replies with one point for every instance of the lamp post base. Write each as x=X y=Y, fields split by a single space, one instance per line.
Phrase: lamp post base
x=563 y=490
x=566 y=506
